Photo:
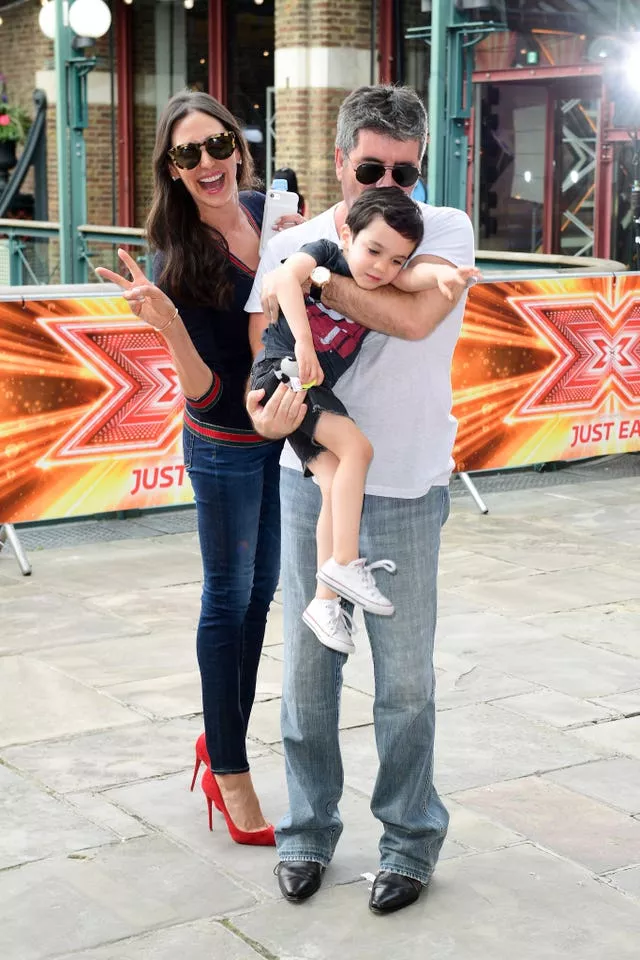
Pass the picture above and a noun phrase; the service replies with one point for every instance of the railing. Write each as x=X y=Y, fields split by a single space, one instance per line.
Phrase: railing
x=29 y=254
x=29 y=251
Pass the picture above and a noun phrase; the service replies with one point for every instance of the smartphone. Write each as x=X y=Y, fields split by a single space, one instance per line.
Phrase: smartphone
x=276 y=205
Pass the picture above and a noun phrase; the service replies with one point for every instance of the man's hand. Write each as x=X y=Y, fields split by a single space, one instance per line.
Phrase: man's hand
x=281 y=415
x=309 y=369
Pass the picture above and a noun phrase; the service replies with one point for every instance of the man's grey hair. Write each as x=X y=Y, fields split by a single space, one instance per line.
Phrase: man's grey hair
x=396 y=112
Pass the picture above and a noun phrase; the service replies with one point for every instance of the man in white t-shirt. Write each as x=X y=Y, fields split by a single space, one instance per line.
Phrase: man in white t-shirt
x=399 y=393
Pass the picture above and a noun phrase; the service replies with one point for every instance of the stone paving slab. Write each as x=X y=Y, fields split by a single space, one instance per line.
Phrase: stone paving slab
x=628 y=703
x=558 y=709
x=112 y=757
x=576 y=669
x=627 y=880
x=202 y=940
x=120 y=660
x=91 y=570
x=569 y=824
x=550 y=592
x=619 y=736
x=67 y=904
x=538 y=662
x=161 y=698
x=616 y=782
x=42 y=620
x=612 y=626
x=35 y=825
x=176 y=604
x=518 y=902
x=71 y=706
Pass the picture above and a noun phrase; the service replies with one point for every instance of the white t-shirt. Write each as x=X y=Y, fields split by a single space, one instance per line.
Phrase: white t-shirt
x=397 y=391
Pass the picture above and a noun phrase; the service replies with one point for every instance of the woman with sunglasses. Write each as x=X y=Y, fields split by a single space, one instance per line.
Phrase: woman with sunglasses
x=205 y=225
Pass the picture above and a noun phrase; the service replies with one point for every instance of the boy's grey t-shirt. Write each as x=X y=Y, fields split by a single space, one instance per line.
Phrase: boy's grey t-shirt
x=335 y=340
x=397 y=391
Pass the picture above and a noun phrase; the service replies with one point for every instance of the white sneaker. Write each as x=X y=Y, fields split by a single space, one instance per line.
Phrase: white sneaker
x=331 y=624
x=355 y=582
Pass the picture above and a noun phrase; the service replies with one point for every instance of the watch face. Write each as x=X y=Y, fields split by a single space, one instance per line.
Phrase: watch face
x=321 y=275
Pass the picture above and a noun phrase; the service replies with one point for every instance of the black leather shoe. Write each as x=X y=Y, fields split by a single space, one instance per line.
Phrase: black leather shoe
x=299 y=879
x=393 y=891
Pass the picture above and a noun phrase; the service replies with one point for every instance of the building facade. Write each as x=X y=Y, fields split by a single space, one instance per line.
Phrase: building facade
x=548 y=124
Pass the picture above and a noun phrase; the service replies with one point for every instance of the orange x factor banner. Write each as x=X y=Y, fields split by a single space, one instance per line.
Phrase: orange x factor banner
x=548 y=369
x=91 y=412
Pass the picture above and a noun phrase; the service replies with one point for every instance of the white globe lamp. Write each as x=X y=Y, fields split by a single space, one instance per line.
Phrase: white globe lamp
x=89 y=18
x=47 y=18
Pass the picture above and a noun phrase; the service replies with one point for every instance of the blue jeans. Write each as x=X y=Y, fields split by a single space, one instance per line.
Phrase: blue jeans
x=238 y=509
x=404 y=798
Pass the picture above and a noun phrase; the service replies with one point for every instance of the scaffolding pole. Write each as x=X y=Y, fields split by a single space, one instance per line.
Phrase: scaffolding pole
x=9 y=535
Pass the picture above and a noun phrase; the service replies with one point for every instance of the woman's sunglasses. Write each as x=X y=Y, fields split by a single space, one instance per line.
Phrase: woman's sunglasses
x=187 y=156
x=370 y=171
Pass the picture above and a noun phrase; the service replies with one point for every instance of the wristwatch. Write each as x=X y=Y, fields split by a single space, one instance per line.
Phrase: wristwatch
x=319 y=277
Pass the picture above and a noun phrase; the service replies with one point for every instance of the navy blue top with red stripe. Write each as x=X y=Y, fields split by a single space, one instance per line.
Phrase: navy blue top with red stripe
x=221 y=338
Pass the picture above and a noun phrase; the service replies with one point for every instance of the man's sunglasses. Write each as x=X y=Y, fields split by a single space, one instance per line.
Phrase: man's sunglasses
x=187 y=156
x=370 y=171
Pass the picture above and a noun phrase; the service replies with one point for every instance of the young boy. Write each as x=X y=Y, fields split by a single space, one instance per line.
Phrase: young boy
x=382 y=230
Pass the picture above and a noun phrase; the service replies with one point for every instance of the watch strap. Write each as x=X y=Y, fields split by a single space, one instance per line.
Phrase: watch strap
x=315 y=292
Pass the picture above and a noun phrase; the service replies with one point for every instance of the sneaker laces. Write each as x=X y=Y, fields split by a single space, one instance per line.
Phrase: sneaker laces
x=339 y=616
x=366 y=574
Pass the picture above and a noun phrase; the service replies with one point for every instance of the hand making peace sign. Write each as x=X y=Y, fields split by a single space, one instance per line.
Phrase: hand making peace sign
x=145 y=299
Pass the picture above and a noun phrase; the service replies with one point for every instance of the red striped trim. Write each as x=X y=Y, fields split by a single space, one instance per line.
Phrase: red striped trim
x=241 y=265
x=251 y=218
x=242 y=438
x=209 y=398
x=256 y=228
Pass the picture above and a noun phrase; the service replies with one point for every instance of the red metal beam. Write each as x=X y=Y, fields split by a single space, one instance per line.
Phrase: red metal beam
x=217 y=23
x=527 y=74
x=386 y=42
x=124 y=81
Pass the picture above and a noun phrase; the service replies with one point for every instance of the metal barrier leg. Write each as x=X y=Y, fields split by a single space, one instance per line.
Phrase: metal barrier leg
x=473 y=490
x=8 y=533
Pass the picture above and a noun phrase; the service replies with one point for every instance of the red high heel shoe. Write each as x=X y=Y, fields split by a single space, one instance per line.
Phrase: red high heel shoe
x=257 y=838
x=201 y=757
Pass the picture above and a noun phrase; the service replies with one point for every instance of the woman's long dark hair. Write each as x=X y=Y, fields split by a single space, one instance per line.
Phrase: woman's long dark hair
x=195 y=264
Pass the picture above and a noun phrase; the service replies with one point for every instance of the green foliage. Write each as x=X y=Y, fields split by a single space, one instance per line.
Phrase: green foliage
x=14 y=120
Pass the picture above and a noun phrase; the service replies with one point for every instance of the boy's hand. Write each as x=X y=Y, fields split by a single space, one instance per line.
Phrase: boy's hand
x=453 y=281
x=309 y=368
x=269 y=295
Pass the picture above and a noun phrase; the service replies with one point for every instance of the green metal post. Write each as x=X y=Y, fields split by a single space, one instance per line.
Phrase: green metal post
x=441 y=14
x=79 y=69
x=15 y=260
x=457 y=142
x=62 y=50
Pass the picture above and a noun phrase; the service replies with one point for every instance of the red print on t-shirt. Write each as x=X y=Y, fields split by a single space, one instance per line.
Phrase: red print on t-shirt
x=342 y=336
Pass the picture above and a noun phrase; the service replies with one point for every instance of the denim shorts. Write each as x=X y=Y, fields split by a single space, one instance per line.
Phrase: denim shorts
x=318 y=400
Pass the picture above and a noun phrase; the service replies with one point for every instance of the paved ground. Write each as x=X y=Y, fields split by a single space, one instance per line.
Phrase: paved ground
x=105 y=855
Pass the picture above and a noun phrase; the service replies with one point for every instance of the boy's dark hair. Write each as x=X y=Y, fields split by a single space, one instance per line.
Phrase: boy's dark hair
x=396 y=208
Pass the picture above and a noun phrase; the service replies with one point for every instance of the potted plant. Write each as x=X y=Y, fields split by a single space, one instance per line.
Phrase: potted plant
x=14 y=126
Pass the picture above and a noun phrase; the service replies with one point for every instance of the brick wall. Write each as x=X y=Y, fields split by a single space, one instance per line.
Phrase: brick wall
x=144 y=112
x=306 y=116
x=323 y=23
x=22 y=50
